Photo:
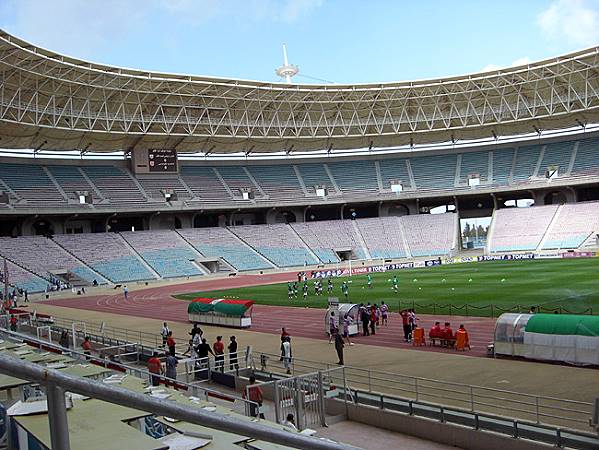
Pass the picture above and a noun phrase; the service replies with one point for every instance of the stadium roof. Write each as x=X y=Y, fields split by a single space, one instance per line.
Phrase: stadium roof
x=56 y=102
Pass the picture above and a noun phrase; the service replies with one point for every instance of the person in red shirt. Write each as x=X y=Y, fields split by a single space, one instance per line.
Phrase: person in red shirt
x=254 y=394
x=87 y=347
x=171 y=343
x=13 y=323
x=219 y=353
x=155 y=369
x=447 y=333
x=436 y=331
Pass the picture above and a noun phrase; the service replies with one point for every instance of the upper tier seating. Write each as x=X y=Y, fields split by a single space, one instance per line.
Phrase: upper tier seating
x=558 y=154
x=326 y=236
x=221 y=243
x=430 y=234
x=204 y=183
x=434 y=172
x=154 y=184
x=277 y=242
x=115 y=185
x=526 y=161
x=573 y=225
x=502 y=166
x=587 y=156
x=474 y=163
x=71 y=179
x=236 y=179
x=383 y=237
x=520 y=229
x=278 y=181
x=165 y=251
x=106 y=253
x=395 y=170
x=20 y=278
x=42 y=256
x=314 y=174
x=31 y=183
x=355 y=177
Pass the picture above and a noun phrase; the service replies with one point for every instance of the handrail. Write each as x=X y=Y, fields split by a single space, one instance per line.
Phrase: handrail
x=449 y=393
x=121 y=396
x=132 y=370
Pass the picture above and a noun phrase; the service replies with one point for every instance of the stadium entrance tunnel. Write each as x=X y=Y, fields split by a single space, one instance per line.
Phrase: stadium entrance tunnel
x=360 y=211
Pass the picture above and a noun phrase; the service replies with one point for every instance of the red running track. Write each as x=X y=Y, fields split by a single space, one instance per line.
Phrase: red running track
x=157 y=303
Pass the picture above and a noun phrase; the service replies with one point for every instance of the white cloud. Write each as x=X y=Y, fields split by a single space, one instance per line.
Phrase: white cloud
x=518 y=62
x=573 y=21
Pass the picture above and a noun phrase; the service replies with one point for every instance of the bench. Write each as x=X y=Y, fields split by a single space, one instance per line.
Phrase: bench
x=443 y=342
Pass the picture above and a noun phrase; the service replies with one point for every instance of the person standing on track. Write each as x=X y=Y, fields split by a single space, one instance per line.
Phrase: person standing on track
x=333 y=327
x=171 y=343
x=219 y=354
x=164 y=333
x=233 y=354
x=384 y=313
x=126 y=292
x=287 y=355
x=284 y=336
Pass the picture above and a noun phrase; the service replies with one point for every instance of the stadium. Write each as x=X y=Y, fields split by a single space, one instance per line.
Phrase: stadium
x=135 y=203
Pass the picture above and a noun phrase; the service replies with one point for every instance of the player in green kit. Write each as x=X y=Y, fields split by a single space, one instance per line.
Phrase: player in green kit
x=369 y=277
x=395 y=284
x=330 y=286
x=289 y=290
x=345 y=290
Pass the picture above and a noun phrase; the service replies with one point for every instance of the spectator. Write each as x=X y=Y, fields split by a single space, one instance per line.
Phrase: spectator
x=384 y=313
x=203 y=350
x=373 y=319
x=287 y=354
x=339 y=348
x=407 y=329
x=254 y=393
x=346 y=322
x=26 y=294
x=155 y=369
x=284 y=335
x=436 y=332
x=219 y=353
x=171 y=343
x=164 y=333
x=87 y=347
x=171 y=368
x=532 y=310
x=126 y=292
x=462 y=339
x=64 y=339
x=196 y=330
x=13 y=322
x=333 y=327
x=365 y=317
x=233 y=354
x=290 y=422
x=95 y=283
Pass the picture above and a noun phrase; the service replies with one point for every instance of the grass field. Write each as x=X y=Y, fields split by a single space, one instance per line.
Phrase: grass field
x=571 y=285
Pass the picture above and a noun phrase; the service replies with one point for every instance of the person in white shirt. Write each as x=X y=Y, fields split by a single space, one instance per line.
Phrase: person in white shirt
x=290 y=422
x=164 y=333
x=287 y=354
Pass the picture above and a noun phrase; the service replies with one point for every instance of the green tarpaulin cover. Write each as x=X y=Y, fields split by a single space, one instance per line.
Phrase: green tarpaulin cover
x=563 y=324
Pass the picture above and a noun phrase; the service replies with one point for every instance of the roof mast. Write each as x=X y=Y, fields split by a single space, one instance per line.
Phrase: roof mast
x=287 y=70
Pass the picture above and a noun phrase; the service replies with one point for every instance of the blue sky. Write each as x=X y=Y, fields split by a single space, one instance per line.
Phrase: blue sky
x=341 y=41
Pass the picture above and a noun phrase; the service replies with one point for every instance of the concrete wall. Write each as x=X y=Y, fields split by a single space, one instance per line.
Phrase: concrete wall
x=432 y=430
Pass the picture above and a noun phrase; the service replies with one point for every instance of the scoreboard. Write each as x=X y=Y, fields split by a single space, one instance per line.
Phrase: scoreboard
x=155 y=160
x=162 y=160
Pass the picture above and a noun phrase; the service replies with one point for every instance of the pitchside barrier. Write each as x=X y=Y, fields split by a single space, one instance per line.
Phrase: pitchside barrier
x=374 y=386
x=485 y=310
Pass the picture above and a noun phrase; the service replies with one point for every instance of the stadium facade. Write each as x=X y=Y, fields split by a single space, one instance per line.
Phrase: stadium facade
x=90 y=148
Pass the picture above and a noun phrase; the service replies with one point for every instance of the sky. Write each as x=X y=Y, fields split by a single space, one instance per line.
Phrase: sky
x=340 y=41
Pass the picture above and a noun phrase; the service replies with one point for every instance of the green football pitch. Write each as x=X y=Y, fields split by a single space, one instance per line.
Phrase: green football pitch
x=477 y=289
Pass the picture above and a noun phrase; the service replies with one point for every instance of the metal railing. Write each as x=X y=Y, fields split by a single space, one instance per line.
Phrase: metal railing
x=193 y=389
x=57 y=383
x=532 y=408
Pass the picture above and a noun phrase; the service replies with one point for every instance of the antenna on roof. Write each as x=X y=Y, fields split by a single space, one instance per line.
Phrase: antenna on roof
x=287 y=70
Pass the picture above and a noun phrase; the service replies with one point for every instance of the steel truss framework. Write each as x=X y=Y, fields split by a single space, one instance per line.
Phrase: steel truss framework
x=52 y=101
